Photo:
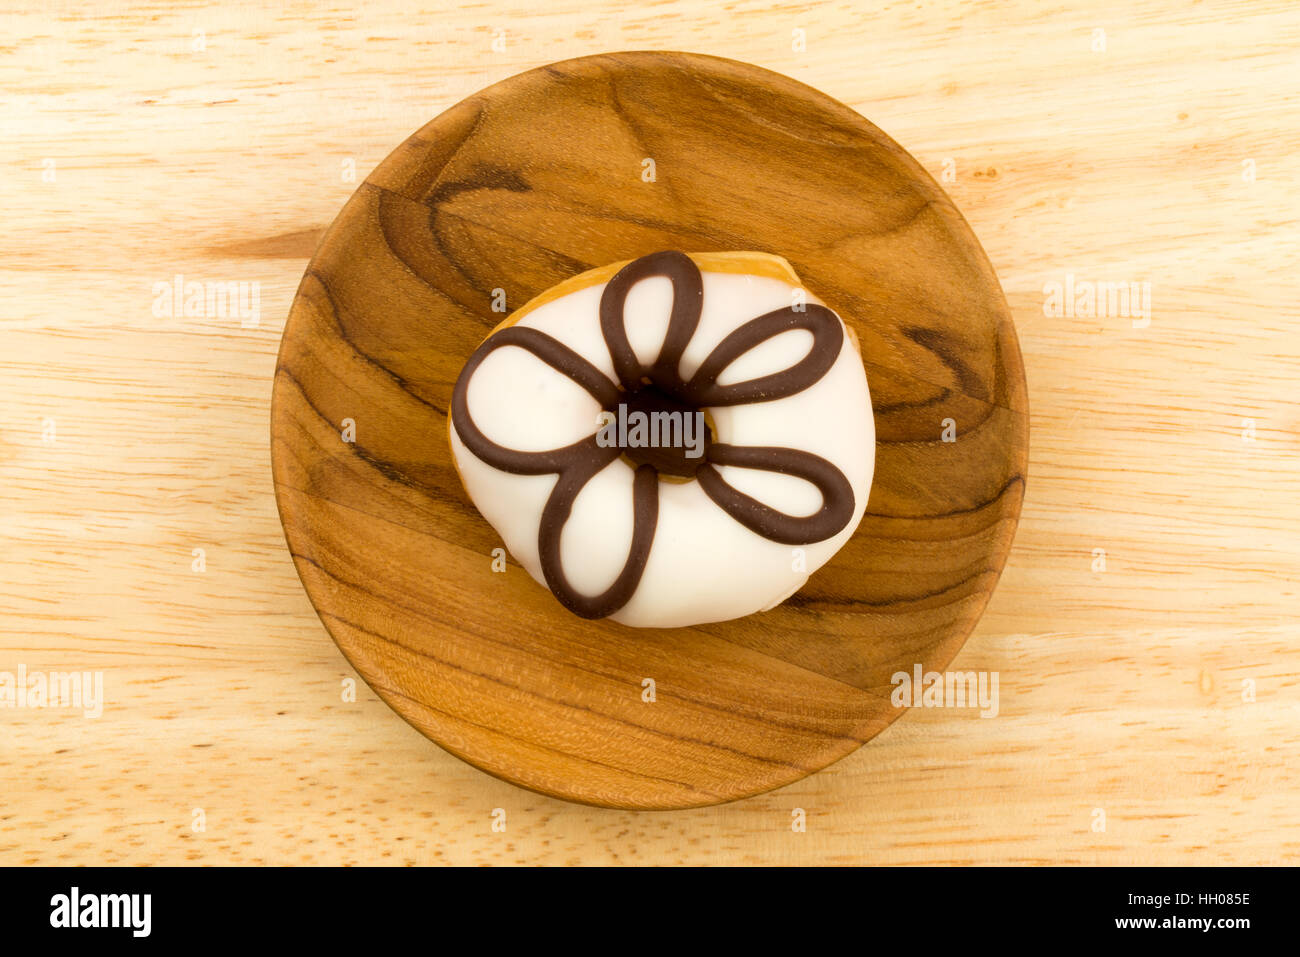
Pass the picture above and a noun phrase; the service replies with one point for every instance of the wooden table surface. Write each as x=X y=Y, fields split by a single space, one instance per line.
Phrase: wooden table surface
x=1145 y=627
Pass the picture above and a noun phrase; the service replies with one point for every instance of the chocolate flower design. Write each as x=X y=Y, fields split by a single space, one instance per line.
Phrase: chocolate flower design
x=660 y=386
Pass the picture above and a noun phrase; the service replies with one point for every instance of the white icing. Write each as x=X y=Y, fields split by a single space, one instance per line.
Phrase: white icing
x=522 y=403
x=703 y=565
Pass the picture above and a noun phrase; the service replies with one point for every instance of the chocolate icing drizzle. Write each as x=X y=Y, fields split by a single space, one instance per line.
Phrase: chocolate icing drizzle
x=661 y=386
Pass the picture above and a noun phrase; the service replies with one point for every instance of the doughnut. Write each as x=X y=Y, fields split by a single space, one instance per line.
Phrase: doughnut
x=679 y=439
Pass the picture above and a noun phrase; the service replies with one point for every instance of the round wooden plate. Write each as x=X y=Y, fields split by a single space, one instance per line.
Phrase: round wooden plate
x=543 y=176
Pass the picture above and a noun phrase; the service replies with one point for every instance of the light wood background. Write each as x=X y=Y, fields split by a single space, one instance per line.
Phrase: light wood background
x=214 y=143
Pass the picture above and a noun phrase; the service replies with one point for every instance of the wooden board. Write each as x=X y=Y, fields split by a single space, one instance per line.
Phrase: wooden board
x=539 y=178
x=1161 y=688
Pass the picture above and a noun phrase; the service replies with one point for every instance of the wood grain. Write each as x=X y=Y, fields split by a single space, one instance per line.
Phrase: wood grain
x=536 y=180
x=1122 y=690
